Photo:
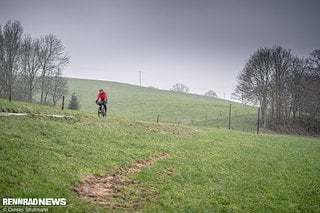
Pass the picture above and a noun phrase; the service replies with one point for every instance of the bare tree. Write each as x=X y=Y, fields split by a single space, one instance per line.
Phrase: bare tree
x=30 y=66
x=51 y=56
x=268 y=79
x=178 y=87
x=312 y=92
x=211 y=93
x=2 y=69
x=297 y=87
x=240 y=96
x=282 y=84
x=27 y=63
x=283 y=63
x=57 y=86
x=313 y=62
x=10 y=39
x=254 y=80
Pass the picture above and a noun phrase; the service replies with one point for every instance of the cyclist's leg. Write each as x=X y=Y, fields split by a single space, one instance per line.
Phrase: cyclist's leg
x=105 y=107
x=100 y=106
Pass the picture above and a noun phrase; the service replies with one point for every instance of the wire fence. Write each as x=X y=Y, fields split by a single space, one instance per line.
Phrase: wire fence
x=226 y=116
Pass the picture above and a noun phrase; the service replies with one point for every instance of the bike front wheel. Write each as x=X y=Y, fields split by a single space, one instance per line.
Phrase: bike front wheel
x=103 y=111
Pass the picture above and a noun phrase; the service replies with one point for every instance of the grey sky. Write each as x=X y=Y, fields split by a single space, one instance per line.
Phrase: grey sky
x=201 y=43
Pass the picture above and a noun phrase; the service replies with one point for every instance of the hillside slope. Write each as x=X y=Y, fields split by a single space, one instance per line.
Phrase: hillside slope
x=141 y=103
x=154 y=167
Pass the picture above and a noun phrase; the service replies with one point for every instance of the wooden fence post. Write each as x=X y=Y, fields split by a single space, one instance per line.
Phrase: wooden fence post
x=62 y=107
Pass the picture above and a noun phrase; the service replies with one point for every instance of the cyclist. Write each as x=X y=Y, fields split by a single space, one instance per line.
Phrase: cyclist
x=102 y=99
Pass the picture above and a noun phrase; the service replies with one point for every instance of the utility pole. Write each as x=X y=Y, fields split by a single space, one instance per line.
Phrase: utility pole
x=140 y=78
x=230 y=116
x=258 y=121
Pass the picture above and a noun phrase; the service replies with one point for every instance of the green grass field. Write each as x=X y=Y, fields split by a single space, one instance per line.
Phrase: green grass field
x=141 y=103
x=207 y=169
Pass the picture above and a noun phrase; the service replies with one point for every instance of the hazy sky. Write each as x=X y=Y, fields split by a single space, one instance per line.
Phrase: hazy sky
x=201 y=43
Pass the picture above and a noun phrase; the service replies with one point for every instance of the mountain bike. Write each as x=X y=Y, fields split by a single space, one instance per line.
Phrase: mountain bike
x=102 y=111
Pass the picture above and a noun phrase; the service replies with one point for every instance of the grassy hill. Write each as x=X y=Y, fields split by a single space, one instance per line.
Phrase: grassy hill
x=141 y=103
x=203 y=169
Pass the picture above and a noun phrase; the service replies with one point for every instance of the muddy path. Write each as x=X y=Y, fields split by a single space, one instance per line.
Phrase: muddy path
x=101 y=189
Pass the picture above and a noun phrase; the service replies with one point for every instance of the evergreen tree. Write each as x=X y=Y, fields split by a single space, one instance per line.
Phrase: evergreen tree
x=74 y=102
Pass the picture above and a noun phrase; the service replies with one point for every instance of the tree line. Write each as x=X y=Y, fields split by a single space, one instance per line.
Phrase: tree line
x=179 y=87
x=31 y=68
x=286 y=87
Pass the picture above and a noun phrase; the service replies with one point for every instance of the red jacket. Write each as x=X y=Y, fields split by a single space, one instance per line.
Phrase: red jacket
x=102 y=96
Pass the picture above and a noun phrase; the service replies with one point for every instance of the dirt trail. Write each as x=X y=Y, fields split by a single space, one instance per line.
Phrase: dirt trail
x=99 y=189
x=24 y=114
x=12 y=114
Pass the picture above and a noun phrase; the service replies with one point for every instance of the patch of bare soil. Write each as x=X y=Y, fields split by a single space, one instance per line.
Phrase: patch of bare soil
x=101 y=189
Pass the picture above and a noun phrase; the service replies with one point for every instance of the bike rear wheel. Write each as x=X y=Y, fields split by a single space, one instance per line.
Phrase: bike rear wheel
x=101 y=111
